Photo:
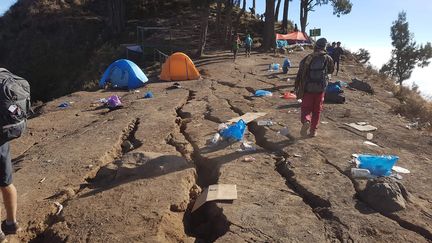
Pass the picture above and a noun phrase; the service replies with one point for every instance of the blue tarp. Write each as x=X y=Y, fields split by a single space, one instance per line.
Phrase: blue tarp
x=123 y=74
x=281 y=43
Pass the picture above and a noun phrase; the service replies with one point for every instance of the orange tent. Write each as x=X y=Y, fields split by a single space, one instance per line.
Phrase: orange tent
x=179 y=67
x=293 y=36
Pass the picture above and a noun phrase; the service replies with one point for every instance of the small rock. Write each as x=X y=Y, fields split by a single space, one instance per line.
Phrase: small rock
x=181 y=207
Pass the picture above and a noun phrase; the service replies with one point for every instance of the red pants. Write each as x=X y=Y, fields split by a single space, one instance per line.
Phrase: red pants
x=311 y=107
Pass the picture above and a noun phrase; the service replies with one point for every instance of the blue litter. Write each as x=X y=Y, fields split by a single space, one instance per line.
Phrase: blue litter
x=379 y=165
x=64 y=105
x=334 y=88
x=261 y=92
x=148 y=95
x=234 y=131
x=274 y=67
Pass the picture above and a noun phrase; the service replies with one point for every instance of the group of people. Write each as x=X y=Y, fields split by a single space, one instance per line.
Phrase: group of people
x=335 y=52
x=248 y=42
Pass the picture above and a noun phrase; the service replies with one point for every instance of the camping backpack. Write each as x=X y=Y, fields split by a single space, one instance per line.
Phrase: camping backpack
x=14 y=105
x=316 y=81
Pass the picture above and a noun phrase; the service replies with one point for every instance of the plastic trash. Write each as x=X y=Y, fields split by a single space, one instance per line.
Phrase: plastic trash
x=265 y=123
x=379 y=165
x=148 y=95
x=261 y=92
x=246 y=147
x=369 y=136
x=222 y=126
x=114 y=102
x=361 y=173
x=274 y=67
x=234 y=131
x=249 y=159
x=289 y=96
x=284 y=131
x=215 y=138
x=64 y=105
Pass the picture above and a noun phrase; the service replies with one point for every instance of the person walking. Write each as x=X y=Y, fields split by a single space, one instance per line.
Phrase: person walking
x=310 y=85
x=236 y=45
x=248 y=45
x=337 y=53
x=330 y=49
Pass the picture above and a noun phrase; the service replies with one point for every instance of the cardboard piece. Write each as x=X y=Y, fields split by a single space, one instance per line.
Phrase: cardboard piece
x=360 y=126
x=401 y=170
x=248 y=117
x=216 y=192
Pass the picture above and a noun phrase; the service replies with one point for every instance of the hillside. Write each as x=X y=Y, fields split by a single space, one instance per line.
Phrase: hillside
x=65 y=46
x=129 y=175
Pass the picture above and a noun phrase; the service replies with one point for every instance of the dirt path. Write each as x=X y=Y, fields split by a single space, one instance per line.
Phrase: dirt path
x=127 y=175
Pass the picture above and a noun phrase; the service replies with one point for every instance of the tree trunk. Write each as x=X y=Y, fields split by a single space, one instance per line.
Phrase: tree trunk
x=269 y=33
x=218 y=16
x=237 y=23
x=116 y=16
x=228 y=21
x=204 y=27
x=285 y=16
x=253 y=10
x=303 y=14
x=277 y=10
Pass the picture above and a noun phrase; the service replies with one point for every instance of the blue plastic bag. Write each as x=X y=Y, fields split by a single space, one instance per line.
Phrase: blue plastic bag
x=379 y=165
x=334 y=88
x=261 y=92
x=234 y=131
x=148 y=95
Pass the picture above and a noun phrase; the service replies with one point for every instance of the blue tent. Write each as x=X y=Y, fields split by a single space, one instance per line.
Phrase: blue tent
x=123 y=74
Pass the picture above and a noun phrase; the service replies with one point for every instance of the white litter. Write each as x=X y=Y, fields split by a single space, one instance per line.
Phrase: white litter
x=370 y=143
x=59 y=207
x=401 y=170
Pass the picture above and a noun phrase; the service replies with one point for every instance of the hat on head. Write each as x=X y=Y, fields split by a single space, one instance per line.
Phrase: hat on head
x=321 y=43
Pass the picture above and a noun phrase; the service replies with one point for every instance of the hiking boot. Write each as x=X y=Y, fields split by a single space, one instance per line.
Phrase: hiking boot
x=2 y=237
x=304 y=129
x=313 y=134
x=10 y=228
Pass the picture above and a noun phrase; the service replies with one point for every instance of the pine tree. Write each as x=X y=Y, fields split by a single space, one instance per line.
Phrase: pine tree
x=406 y=53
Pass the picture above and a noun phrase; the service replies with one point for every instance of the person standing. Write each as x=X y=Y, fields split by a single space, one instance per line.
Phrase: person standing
x=236 y=45
x=248 y=45
x=310 y=84
x=330 y=49
x=13 y=114
x=337 y=53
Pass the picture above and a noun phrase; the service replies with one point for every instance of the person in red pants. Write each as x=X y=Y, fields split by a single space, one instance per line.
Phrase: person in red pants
x=310 y=85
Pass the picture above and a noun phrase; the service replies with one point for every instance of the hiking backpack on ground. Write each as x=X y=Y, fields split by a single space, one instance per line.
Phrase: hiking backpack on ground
x=15 y=105
x=316 y=81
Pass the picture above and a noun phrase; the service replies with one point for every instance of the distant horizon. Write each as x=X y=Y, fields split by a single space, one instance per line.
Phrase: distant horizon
x=360 y=28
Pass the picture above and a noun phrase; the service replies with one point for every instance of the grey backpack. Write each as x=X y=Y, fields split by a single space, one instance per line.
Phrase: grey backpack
x=15 y=105
x=316 y=81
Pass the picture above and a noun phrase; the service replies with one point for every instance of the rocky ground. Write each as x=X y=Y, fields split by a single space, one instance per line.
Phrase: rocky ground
x=130 y=175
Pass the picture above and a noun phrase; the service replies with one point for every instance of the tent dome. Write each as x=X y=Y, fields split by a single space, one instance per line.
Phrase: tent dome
x=124 y=74
x=179 y=67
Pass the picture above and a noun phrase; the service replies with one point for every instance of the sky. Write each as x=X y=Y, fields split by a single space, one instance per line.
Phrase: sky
x=367 y=26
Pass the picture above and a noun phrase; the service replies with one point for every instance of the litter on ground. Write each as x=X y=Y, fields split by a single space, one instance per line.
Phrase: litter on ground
x=247 y=117
x=360 y=126
x=216 y=192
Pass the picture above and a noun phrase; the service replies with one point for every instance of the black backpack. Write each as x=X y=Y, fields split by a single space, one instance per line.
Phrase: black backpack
x=316 y=81
x=15 y=105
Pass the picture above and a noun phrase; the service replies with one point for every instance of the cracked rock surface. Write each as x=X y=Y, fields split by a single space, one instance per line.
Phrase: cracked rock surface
x=132 y=175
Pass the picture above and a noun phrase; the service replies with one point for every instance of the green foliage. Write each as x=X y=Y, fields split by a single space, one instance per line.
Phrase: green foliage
x=340 y=7
x=362 y=55
x=406 y=53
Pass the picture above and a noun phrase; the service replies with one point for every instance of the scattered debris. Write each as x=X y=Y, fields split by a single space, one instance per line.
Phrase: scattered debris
x=289 y=96
x=369 y=136
x=361 y=85
x=114 y=102
x=379 y=165
x=148 y=95
x=246 y=147
x=59 y=208
x=284 y=131
x=265 y=123
x=370 y=143
x=362 y=126
x=324 y=122
x=89 y=166
x=413 y=125
x=215 y=193
x=42 y=180
x=249 y=159
x=234 y=131
x=215 y=138
x=361 y=173
x=401 y=170
x=248 y=117
x=261 y=93
x=319 y=173
x=64 y=105
x=297 y=155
